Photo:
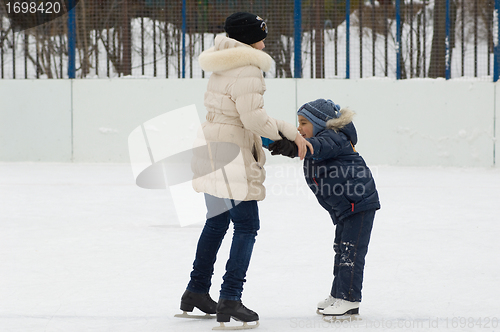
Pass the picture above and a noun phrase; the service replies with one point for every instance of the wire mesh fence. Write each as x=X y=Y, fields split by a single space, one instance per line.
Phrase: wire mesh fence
x=338 y=38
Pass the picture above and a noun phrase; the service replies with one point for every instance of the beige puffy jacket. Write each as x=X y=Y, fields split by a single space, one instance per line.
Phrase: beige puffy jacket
x=235 y=114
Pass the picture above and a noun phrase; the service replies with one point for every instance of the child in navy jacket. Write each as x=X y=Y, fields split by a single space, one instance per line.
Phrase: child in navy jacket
x=344 y=186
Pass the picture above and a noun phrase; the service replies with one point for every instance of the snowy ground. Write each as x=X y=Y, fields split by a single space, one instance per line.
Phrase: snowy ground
x=83 y=249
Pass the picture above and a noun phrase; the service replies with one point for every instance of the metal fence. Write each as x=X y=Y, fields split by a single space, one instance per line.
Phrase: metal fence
x=335 y=38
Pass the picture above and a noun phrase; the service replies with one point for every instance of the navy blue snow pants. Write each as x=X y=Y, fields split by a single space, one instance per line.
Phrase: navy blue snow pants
x=352 y=237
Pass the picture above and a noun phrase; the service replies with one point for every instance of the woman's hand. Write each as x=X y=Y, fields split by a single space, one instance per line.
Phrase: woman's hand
x=302 y=144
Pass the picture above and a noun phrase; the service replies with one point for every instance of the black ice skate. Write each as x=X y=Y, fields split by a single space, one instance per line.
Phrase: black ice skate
x=235 y=309
x=203 y=302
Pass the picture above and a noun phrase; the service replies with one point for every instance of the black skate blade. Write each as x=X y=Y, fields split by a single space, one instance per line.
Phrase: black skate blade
x=186 y=315
x=245 y=326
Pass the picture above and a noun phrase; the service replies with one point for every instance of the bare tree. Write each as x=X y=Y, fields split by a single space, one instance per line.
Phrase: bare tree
x=437 y=66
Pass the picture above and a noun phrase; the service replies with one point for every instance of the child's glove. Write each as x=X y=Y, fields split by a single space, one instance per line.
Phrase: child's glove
x=284 y=147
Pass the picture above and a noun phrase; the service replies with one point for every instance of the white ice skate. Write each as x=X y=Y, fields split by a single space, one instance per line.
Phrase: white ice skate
x=324 y=304
x=342 y=308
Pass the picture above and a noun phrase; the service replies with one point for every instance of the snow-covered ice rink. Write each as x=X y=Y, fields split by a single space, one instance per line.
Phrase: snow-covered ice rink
x=84 y=249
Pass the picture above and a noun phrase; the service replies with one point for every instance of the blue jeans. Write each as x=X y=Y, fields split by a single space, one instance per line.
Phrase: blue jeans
x=245 y=217
x=352 y=237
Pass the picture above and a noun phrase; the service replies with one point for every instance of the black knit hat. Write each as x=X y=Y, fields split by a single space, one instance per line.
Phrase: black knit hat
x=245 y=27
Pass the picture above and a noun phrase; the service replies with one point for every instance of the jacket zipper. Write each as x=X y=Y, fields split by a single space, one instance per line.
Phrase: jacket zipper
x=314 y=179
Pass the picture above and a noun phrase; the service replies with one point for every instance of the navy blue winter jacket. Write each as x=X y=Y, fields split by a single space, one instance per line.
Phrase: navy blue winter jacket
x=336 y=173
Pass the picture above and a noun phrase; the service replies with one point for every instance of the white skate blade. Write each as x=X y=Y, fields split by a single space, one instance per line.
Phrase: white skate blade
x=245 y=326
x=186 y=315
x=343 y=318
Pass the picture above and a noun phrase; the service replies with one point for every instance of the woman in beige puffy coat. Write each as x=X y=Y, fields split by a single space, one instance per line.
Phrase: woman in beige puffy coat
x=236 y=120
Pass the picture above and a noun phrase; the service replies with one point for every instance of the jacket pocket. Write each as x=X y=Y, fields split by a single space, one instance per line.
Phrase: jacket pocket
x=255 y=155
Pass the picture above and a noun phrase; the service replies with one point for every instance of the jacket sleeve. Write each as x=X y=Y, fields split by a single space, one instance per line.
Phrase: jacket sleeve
x=325 y=147
x=247 y=92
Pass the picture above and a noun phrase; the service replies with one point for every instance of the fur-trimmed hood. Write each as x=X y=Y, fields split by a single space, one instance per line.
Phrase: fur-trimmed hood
x=344 y=124
x=229 y=54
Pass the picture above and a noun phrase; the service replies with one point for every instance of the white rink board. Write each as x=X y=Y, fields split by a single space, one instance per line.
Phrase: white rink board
x=415 y=122
x=496 y=122
x=35 y=120
x=410 y=122
x=106 y=112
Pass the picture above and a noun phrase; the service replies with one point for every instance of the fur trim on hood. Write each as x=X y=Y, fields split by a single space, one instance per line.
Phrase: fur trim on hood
x=346 y=116
x=229 y=54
